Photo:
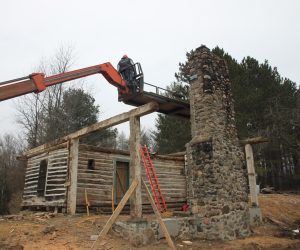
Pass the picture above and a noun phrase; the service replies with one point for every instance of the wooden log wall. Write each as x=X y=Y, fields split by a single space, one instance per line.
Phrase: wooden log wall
x=55 y=190
x=99 y=182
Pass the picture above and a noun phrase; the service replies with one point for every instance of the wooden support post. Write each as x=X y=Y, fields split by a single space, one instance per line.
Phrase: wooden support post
x=87 y=203
x=158 y=216
x=135 y=167
x=116 y=213
x=73 y=165
x=251 y=175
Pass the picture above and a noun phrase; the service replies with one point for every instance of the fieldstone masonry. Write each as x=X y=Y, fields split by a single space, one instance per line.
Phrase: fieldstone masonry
x=217 y=186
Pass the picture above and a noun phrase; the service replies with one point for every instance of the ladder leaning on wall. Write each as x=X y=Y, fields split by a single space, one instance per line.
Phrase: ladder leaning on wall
x=151 y=175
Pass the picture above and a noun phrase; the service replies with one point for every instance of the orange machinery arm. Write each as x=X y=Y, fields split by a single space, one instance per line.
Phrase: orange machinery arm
x=37 y=82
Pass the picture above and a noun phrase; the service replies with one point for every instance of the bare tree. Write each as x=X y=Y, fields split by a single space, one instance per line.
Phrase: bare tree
x=11 y=173
x=60 y=109
x=40 y=114
x=31 y=115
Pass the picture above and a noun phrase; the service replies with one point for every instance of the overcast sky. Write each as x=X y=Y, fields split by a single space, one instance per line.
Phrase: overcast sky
x=157 y=33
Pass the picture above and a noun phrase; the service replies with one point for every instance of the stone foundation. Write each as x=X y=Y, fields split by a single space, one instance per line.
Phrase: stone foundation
x=138 y=233
x=226 y=227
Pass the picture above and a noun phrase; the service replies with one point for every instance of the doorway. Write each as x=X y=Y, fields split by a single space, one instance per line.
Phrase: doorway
x=121 y=179
x=42 y=178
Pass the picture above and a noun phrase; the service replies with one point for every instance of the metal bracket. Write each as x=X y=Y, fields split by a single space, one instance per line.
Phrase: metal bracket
x=38 y=79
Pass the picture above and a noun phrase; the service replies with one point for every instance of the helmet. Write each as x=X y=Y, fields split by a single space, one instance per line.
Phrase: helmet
x=125 y=56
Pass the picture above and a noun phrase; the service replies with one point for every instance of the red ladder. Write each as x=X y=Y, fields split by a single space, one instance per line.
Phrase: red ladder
x=158 y=197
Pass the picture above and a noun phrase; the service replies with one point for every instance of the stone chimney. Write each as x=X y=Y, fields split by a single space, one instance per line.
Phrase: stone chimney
x=216 y=172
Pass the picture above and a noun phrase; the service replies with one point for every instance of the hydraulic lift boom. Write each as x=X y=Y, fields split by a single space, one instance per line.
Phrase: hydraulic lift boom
x=37 y=82
x=130 y=92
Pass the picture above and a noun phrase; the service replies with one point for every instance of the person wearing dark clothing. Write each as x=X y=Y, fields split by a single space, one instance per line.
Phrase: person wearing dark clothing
x=126 y=69
x=132 y=74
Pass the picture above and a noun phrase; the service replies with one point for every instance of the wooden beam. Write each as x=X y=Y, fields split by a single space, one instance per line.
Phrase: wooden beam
x=176 y=156
x=24 y=157
x=158 y=216
x=254 y=140
x=115 y=120
x=73 y=168
x=182 y=153
x=135 y=167
x=251 y=175
x=103 y=150
x=168 y=157
x=115 y=214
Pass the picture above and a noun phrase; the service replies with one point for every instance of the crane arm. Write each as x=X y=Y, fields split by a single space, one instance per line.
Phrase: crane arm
x=37 y=82
x=130 y=91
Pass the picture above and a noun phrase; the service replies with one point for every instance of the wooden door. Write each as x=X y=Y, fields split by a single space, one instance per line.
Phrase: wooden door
x=121 y=180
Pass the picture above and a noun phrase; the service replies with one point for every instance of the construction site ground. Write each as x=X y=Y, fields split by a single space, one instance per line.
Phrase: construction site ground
x=40 y=230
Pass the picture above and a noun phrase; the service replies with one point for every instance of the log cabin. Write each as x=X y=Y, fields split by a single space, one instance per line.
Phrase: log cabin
x=66 y=175
x=102 y=174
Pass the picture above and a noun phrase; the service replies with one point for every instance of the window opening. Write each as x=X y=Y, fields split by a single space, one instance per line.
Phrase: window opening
x=91 y=164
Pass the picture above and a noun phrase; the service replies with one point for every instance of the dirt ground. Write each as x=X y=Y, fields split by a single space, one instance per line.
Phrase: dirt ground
x=29 y=231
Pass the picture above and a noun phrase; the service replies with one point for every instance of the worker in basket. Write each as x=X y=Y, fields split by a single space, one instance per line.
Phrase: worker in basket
x=127 y=70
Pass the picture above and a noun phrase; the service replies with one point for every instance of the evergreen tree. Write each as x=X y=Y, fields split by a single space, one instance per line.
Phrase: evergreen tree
x=172 y=133
x=265 y=105
x=78 y=110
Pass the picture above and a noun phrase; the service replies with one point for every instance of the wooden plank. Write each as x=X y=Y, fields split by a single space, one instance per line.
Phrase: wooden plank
x=168 y=157
x=33 y=153
x=101 y=190
x=115 y=120
x=61 y=172
x=100 y=162
x=158 y=216
x=33 y=175
x=251 y=175
x=254 y=140
x=135 y=167
x=90 y=148
x=32 y=171
x=28 y=196
x=51 y=186
x=57 y=189
x=54 y=176
x=93 y=176
x=102 y=186
x=72 y=192
x=30 y=188
x=94 y=198
x=55 y=193
x=93 y=149
x=58 y=166
x=116 y=213
x=31 y=183
x=94 y=182
x=99 y=169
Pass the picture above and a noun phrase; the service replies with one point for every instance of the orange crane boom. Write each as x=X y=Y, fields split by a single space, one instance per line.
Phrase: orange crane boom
x=130 y=92
x=37 y=82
